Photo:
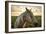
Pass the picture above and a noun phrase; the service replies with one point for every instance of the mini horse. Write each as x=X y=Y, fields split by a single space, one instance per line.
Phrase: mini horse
x=25 y=19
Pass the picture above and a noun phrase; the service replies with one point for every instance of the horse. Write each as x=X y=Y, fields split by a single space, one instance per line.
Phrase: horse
x=25 y=19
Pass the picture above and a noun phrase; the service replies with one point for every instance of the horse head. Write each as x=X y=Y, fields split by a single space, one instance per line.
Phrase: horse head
x=30 y=18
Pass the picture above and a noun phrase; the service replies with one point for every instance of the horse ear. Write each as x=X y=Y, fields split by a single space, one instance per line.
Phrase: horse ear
x=30 y=11
x=27 y=10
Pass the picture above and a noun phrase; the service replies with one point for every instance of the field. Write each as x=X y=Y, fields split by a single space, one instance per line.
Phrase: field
x=13 y=19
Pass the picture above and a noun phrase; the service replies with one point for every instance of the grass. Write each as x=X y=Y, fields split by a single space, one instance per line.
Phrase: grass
x=13 y=19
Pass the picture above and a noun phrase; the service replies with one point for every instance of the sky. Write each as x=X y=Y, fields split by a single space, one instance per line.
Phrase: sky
x=17 y=10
